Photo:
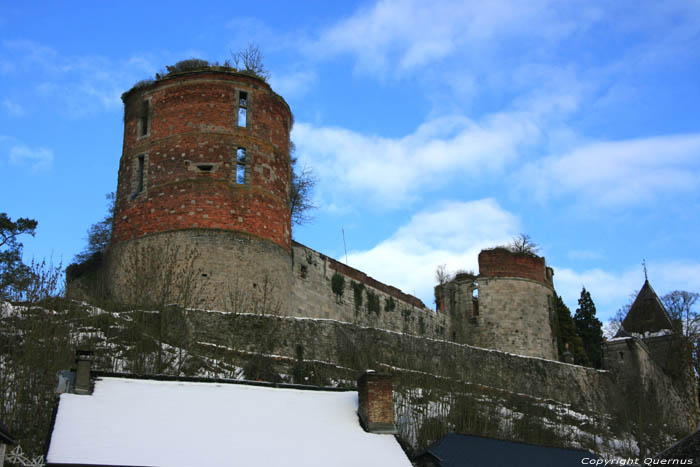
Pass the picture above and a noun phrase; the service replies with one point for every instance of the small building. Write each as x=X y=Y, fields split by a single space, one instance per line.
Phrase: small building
x=457 y=450
x=128 y=421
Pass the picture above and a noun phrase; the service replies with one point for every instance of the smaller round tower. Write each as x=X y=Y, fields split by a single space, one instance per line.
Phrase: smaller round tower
x=516 y=304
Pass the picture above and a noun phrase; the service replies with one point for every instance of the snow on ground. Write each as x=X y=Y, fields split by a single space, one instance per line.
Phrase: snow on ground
x=144 y=422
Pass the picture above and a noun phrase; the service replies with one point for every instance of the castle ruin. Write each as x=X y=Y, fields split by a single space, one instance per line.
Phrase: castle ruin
x=205 y=169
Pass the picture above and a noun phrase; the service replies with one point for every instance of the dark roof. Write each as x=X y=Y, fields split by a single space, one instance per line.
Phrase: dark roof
x=5 y=436
x=687 y=448
x=456 y=450
x=647 y=314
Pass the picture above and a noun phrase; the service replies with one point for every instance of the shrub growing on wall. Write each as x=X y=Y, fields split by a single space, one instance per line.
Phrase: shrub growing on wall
x=357 y=289
x=373 y=302
x=389 y=304
x=338 y=286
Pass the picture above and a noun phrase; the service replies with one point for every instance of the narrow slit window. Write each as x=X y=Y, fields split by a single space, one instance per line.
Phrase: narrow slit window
x=139 y=181
x=241 y=162
x=145 y=111
x=242 y=108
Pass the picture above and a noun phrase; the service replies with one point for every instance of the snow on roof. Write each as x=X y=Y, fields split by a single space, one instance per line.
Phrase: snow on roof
x=172 y=423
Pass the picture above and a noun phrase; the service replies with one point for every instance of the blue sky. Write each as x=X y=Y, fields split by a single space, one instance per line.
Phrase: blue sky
x=435 y=130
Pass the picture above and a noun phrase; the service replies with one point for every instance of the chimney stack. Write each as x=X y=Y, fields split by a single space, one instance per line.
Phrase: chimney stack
x=376 y=402
x=83 y=360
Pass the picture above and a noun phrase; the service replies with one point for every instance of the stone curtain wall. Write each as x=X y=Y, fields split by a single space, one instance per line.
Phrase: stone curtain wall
x=344 y=350
x=313 y=297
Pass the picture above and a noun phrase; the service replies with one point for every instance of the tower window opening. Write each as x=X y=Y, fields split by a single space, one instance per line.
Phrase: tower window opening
x=242 y=108
x=205 y=167
x=241 y=163
x=145 y=111
x=139 y=179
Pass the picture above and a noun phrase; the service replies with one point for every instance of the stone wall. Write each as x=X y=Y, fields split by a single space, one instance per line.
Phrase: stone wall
x=515 y=315
x=313 y=297
x=343 y=350
x=218 y=269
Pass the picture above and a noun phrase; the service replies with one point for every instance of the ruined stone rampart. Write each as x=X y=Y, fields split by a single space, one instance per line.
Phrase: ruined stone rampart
x=605 y=406
x=360 y=299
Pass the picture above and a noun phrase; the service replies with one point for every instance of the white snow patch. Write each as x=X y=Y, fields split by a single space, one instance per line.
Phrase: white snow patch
x=143 y=422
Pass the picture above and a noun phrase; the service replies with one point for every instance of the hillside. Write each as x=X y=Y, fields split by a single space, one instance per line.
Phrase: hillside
x=37 y=341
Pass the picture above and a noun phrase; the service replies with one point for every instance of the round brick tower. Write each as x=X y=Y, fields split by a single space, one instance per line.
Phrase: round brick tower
x=516 y=303
x=203 y=187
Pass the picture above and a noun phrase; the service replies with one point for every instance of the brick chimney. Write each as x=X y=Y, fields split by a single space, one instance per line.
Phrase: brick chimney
x=83 y=360
x=376 y=402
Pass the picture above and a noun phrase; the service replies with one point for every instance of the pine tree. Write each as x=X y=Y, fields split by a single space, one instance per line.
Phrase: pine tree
x=567 y=334
x=589 y=328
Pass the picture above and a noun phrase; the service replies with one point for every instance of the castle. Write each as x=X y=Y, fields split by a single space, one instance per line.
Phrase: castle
x=204 y=185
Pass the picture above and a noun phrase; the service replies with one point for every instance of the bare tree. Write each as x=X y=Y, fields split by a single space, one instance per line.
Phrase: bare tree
x=300 y=193
x=442 y=276
x=250 y=60
x=523 y=244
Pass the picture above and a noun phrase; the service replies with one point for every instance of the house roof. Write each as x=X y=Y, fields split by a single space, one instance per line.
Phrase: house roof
x=646 y=315
x=457 y=450
x=687 y=448
x=5 y=436
x=138 y=422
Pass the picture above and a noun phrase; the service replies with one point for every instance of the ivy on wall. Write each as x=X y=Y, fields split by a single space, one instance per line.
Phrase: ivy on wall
x=338 y=286
x=389 y=304
x=357 y=289
x=373 y=302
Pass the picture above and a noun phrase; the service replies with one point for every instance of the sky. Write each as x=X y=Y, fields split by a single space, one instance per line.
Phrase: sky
x=435 y=129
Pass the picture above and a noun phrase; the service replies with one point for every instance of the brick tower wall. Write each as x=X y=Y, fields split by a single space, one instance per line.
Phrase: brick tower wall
x=184 y=182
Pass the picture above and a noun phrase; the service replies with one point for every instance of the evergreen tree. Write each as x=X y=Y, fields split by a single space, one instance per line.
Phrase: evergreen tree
x=567 y=334
x=589 y=328
x=15 y=276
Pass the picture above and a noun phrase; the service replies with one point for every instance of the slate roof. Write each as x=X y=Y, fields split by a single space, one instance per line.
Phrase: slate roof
x=687 y=448
x=457 y=450
x=5 y=436
x=149 y=422
x=647 y=314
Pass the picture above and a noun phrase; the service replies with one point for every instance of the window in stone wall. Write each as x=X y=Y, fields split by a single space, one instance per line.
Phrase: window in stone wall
x=242 y=108
x=144 y=120
x=241 y=164
x=139 y=175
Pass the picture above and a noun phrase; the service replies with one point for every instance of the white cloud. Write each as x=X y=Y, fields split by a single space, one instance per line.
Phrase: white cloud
x=618 y=173
x=13 y=109
x=389 y=171
x=83 y=84
x=293 y=84
x=453 y=233
x=611 y=290
x=38 y=159
x=410 y=34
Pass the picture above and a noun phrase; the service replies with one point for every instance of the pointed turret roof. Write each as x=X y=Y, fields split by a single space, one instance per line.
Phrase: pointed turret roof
x=647 y=314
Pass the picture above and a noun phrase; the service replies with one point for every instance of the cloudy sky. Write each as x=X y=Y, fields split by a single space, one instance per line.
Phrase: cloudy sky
x=435 y=130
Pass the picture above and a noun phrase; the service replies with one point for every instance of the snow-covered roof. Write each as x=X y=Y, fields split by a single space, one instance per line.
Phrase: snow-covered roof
x=174 y=423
